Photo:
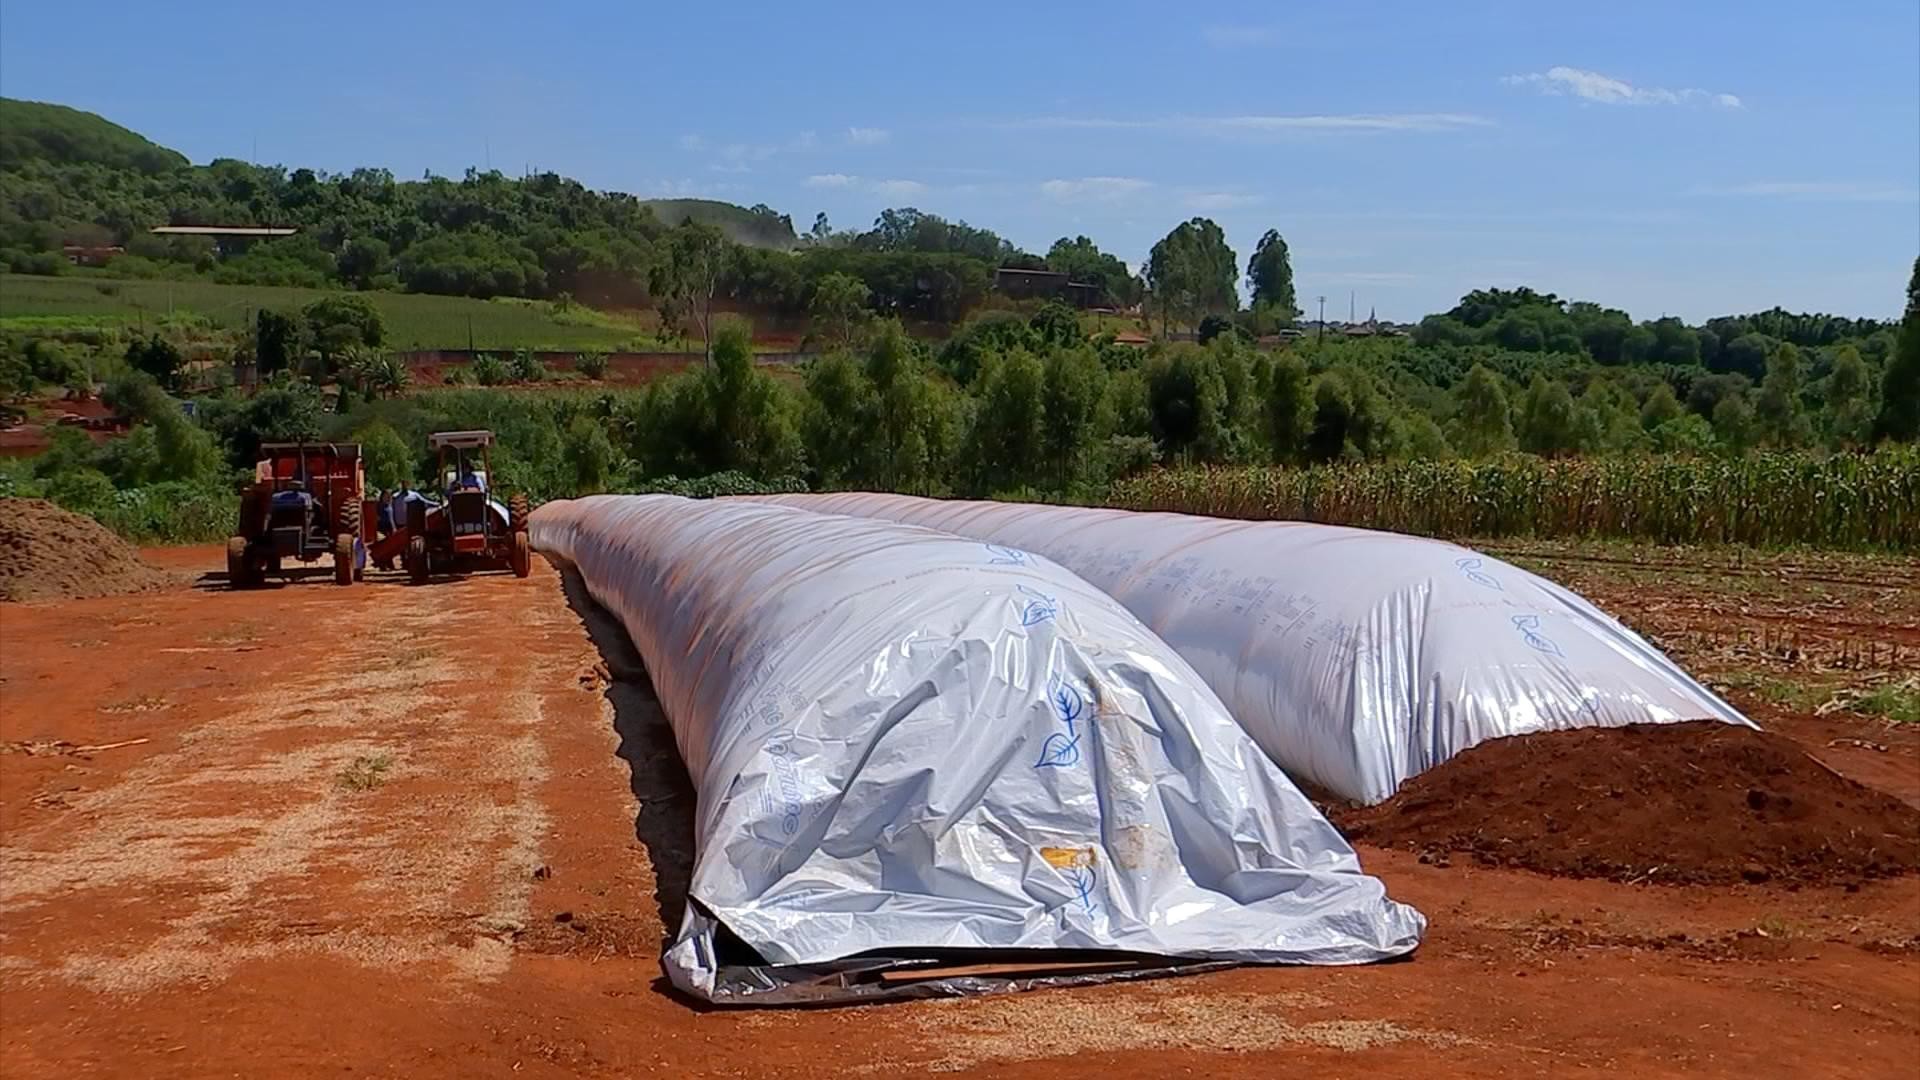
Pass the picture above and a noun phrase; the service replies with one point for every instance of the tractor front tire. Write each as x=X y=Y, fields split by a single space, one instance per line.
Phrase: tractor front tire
x=517 y=511
x=521 y=557
x=417 y=567
x=343 y=559
x=239 y=566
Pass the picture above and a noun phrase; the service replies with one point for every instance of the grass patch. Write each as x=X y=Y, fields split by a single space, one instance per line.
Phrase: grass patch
x=366 y=772
x=413 y=320
x=1896 y=702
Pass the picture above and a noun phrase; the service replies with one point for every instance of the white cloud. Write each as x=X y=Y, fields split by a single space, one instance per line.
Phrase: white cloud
x=1223 y=36
x=1818 y=190
x=806 y=140
x=1256 y=125
x=895 y=189
x=892 y=189
x=866 y=136
x=1562 y=81
x=692 y=142
x=1218 y=200
x=1094 y=187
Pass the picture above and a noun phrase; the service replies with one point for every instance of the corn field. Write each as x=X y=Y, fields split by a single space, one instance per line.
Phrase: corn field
x=1858 y=501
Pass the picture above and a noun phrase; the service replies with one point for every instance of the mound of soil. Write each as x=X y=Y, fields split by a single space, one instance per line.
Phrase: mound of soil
x=47 y=553
x=1693 y=803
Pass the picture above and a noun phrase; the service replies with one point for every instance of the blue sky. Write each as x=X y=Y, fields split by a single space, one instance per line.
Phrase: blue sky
x=1688 y=158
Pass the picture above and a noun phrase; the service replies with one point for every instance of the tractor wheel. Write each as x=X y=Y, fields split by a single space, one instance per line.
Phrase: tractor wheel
x=346 y=518
x=239 y=567
x=417 y=518
x=343 y=559
x=517 y=511
x=522 y=556
x=417 y=568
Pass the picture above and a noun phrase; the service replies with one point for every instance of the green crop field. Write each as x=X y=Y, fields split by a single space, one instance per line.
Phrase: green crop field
x=413 y=321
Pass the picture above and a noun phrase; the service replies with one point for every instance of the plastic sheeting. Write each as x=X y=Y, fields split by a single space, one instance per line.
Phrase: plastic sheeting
x=1357 y=659
x=910 y=747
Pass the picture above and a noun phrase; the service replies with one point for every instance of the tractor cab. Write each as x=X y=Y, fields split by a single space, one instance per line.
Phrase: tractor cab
x=469 y=530
x=464 y=465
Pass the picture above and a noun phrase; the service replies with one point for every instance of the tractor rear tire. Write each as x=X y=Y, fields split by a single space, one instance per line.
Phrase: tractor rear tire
x=346 y=518
x=417 y=565
x=517 y=511
x=343 y=559
x=521 y=557
x=239 y=566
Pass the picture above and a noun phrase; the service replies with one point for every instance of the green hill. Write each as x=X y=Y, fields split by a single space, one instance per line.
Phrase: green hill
x=759 y=226
x=37 y=131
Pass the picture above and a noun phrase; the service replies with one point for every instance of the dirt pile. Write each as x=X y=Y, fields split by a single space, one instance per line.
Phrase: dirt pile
x=1693 y=803
x=47 y=553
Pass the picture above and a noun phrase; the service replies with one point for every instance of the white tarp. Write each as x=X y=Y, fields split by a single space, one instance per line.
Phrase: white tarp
x=908 y=746
x=1358 y=659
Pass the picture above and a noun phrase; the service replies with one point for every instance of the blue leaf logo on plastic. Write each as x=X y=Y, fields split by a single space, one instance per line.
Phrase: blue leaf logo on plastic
x=1066 y=701
x=1005 y=556
x=1471 y=568
x=1039 y=607
x=1061 y=750
x=1529 y=627
x=1082 y=878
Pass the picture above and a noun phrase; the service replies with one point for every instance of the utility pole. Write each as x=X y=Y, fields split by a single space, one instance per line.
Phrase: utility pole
x=1350 y=312
x=1321 y=334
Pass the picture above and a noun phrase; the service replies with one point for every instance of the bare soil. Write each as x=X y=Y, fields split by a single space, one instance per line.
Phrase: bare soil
x=47 y=552
x=1695 y=803
x=442 y=831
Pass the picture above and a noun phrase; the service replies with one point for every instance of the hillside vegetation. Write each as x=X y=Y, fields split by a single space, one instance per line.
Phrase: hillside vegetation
x=760 y=227
x=38 y=131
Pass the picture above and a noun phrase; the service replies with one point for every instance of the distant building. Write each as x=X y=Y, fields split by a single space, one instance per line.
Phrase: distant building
x=1045 y=284
x=229 y=239
x=91 y=254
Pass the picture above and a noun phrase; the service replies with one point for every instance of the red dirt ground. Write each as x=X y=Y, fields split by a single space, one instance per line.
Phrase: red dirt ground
x=347 y=841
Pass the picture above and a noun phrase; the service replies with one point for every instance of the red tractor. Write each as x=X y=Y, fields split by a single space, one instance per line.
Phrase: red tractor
x=308 y=500
x=470 y=530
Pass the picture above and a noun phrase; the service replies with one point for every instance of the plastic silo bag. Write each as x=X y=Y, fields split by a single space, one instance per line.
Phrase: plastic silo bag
x=912 y=750
x=1357 y=659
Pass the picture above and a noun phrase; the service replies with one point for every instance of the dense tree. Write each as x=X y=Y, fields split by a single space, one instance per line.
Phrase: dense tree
x=1270 y=272
x=1781 y=416
x=1187 y=405
x=1734 y=426
x=1081 y=260
x=341 y=322
x=1075 y=384
x=1289 y=408
x=1007 y=450
x=158 y=358
x=1660 y=406
x=839 y=301
x=1849 y=398
x=1483 y=419
x=1547 y=422
x=1747 y=355
x=1900 y=384
x=1191 y=272
x=752 y=429
x=840 y=403
x=690 y=275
